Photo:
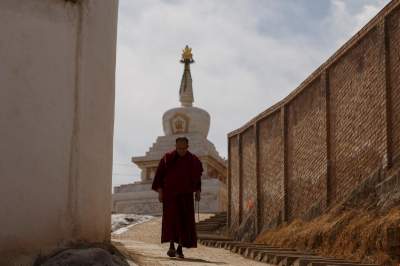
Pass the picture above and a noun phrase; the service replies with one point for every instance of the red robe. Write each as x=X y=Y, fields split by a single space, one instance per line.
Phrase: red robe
x=178 y=177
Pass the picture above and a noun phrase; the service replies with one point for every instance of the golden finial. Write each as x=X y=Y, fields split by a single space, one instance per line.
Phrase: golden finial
x=187 y=55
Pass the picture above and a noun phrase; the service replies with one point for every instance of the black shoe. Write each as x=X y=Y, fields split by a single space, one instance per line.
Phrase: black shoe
x=171 y=252
x=179 y=252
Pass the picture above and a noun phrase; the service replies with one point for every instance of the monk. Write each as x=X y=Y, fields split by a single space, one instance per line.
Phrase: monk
x=178 y=176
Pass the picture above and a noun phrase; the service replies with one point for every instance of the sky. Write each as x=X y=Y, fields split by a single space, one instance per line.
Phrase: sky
x=249 y=55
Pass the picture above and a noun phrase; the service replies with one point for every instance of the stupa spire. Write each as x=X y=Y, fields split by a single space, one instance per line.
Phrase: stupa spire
x=186 y=89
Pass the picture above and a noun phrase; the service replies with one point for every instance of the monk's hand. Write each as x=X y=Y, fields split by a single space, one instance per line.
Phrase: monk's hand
x=197 y=195
x=160 y=195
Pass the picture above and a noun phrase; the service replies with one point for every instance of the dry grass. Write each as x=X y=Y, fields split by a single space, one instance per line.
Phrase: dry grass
x=351 y=233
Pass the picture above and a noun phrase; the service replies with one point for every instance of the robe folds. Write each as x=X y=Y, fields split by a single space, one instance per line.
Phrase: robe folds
x=178 y=177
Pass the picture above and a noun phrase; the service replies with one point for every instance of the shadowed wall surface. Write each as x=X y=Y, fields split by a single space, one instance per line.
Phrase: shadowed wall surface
x=270 y=170
x=56 y=120
x=234 y=181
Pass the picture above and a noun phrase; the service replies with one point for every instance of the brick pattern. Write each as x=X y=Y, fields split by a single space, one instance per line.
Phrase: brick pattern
x=248 y=172
x=306 y=150
x=357 y=101
x=271 y=170
x=341 y=124
x=393 y=37
x=234 y=176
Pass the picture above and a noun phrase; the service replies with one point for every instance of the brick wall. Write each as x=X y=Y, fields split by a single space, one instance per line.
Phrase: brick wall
x=393 y=71
x=357 y=100
x=270 y=170
x=311 y=149
x=233 y=182
x=306 y=149
x=248 y=162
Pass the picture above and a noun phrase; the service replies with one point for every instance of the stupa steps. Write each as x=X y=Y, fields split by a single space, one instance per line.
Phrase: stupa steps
x=167 y=147
x=216 y=219
x=209 y=235
x=212 y=225
x=171 y=141
x=168 y=143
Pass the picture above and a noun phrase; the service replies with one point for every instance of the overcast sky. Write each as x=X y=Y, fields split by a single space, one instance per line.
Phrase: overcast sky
x=249 y=54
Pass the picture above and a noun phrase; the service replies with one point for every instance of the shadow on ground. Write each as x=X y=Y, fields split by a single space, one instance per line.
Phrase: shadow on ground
x=190 y=260
x=199 y=260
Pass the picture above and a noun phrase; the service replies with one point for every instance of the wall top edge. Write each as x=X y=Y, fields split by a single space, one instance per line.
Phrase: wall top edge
x=374 y=22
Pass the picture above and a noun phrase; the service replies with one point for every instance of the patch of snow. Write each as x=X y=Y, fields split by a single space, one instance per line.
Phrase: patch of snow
x=122 y=222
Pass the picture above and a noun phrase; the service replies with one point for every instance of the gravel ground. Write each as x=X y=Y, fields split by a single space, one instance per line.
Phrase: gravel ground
x=142 y=241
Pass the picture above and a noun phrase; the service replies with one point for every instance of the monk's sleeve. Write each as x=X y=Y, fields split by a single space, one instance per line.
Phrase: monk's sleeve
x=198 y=173
x=158 y=181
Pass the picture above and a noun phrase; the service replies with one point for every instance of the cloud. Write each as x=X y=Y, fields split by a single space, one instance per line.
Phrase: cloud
x=249 y=55
x=346 y=19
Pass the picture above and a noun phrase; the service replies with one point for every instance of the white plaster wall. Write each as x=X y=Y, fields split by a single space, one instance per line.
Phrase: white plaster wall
x=57 y=66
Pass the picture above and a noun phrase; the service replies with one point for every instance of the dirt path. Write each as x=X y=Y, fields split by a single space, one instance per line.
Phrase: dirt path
x=142 y=241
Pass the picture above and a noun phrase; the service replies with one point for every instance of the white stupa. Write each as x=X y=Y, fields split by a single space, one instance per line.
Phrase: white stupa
x=193 y=123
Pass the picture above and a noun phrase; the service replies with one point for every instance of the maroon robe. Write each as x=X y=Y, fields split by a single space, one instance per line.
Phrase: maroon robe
x=178 y=177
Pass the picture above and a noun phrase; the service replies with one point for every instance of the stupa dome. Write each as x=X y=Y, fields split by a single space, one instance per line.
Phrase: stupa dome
x=187 y=118
x=183 y=120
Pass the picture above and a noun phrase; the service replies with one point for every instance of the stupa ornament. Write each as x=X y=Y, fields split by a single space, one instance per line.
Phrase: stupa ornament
x=187 y=55
x=186 y=91
x=179 y=124
x=186 y=119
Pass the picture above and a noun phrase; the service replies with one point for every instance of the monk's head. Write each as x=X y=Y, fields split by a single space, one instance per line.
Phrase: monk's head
x=182 y=145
